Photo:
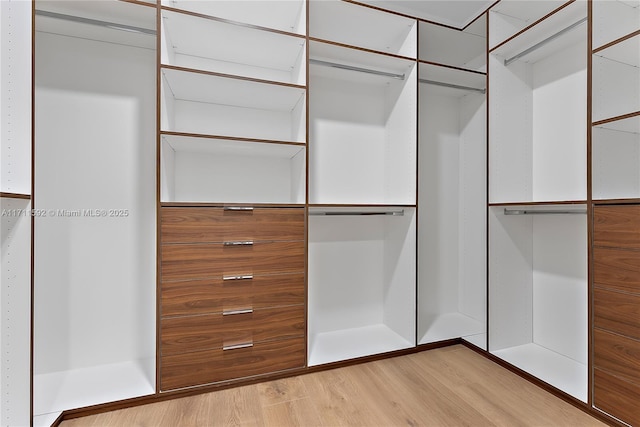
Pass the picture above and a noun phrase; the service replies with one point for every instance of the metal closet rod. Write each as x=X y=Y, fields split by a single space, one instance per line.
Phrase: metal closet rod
x=544 y=42
x=543 y=212
x=356 y=213
x=451 y=85
x=105 y=24
x=358 y=69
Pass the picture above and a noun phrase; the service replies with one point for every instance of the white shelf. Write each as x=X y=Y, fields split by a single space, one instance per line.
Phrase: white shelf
x=362 y=129
x=282 y=15
x=248 y=52
x=616 y=159
x=450 y=325
x=537 y=127
x=467 y=82
x=209 y=104
x=364 y=27
x=616 y=80
x=511 y=16
x=465 y=49
x=560 y=371
x=351 y=343
x=361 y=283
x=196 y=169
x=78 y=388
x=614 y=19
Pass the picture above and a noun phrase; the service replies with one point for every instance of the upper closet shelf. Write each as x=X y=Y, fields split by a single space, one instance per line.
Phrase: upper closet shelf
x=558 y=31
x=628 y=125
x=363 y=27
x=194 y=42
x=626 y=52
x=464 y=49
x=282 y=15
x=451 y=82
x=328 y=60
x=614 y=19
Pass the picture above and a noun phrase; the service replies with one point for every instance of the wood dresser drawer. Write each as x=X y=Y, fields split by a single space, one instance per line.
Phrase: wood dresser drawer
x=204 y=367
x=617 y=397
x=616 y=269
x=205 y=296
x=199 y=261
x=218 y=330
x=616 y=312
x=618 y=355
x=617 y=226
x=206 y=224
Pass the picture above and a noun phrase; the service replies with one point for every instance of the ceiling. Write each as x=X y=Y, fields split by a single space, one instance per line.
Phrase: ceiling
x=456 y=13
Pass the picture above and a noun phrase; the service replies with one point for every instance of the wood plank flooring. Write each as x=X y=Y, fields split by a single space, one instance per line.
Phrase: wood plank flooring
x=452 y=386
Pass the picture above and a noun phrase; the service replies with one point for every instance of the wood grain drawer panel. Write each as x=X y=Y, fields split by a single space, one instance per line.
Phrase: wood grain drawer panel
x=617 y=355
x=197 y=333
x=616 y=269
x=616 y=397
x=215 y=295
x=617 y=226
x=617 y=312
x=185 y=370
x=193 y=225
x=198 y=261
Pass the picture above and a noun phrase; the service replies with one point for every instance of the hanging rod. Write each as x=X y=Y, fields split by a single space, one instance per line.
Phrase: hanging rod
x=544 y=42
x=435 y=83
x=106 y=24
x=543 y=212
x=352 y=68
x=356 y=213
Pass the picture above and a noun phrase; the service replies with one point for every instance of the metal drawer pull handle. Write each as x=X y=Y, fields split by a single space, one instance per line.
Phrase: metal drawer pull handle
x=245 y=243
x=247 y=277
x=238 y=208
x=232 y=312
x=237 y=346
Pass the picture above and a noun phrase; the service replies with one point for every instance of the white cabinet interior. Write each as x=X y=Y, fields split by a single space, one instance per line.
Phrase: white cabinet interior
x=94 y=283
x=361 y=281
x=464 y=49
x=614 y=19
x=537 y=141
x=452 y=199
x=538 y=292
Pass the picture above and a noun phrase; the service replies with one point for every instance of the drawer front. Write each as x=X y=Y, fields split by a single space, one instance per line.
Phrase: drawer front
x=616 y=269
x=197 y=333
x=617 y=355
x=201 y=225
x=204 y=367
x=199 y=261
x=617 y=312
x=617 y=226
x=616 y=397
x=216 y=295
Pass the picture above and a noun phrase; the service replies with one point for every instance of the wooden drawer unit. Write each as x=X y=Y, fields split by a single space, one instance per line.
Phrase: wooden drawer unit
x=230 y=328
x=210 y=366
x=617 y=397
x=617 y=312
x=618 y=355
x=199 y=261
x=616 y=269
x=206 y=225
x=204 y=296
x=617 y=226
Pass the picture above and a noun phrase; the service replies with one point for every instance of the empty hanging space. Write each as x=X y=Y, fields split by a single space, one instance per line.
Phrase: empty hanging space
x=465 y=49
x=201 y=170
x=452 y=217
x=281 y=15
x=363 y=27
x=537 y=141
x=95 y=240
x=362 y=127
x=613 y=20
x=616 y=80
x=194 y=42
x=538 y=292
x=202 y=103
x=361 y=282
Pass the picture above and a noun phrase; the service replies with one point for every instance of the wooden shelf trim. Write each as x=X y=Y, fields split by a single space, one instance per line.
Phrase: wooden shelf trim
x=452 y=67
x=231 y=138
x=617 y=118
x=615 y=42
x=15 y=196
x=363 y=49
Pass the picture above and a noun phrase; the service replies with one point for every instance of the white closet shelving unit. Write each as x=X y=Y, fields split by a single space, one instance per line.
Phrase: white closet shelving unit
x=362 y=182
x=94 y=283
x=537 y=157
x=233 y=126
x=452 y=215
x=15 y=203
x=464 y=49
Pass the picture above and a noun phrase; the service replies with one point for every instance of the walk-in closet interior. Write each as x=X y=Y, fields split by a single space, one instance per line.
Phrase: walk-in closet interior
x=203 y=194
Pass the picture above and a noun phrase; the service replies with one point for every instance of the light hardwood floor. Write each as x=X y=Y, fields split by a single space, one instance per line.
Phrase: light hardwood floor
x=451 y=386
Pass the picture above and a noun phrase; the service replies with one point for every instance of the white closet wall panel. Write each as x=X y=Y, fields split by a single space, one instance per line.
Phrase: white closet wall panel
x=95 y=247
x=614 y=19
